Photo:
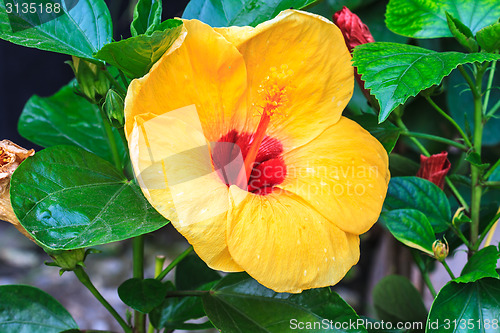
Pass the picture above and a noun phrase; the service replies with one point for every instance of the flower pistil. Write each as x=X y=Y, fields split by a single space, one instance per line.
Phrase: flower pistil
x=273 y=92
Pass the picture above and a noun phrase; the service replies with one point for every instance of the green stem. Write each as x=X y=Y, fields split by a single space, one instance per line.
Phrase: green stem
x=111 y=140
x=436 y=138
x=448 y=269
x=401 y=125
x=174 y=263
x=476 y=190
x=186 y=293
x=424 y=151
x=488 y=86
x=85 y=280
x=423 y=270
x=451 y=120
x=471 y=83
x=138 y=271
x=457 y=194
x=460 y=235
x=492 y=184
x=115 y=83
x=159 y=261
x=492 y=169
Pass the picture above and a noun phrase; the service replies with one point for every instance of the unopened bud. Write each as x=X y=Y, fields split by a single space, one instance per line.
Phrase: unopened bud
x=113 y=107
x=440 y=249
x=68 y=260
x=355 y=33
x=92 y=81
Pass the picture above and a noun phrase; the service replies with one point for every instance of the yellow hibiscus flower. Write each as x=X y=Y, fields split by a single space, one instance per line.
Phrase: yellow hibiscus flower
x=236 y=136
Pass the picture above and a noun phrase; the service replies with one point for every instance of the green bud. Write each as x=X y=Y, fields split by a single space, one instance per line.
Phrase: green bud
x=440 y=250
x=68 y=260
x=92 y=81
x=113 y=107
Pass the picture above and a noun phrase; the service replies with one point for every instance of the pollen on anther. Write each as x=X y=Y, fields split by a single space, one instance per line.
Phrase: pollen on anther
x=274 y=90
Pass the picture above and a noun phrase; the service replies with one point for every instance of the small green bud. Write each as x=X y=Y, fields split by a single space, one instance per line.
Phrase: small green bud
x=440 y=249
x=68 y=260
x=92 y=82
x=113 y=107
x=460 y=218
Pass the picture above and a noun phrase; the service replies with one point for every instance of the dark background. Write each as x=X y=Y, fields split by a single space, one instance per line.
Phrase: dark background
x=27 y=71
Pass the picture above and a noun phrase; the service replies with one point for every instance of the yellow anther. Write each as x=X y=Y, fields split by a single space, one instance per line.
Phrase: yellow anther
x=274 y=90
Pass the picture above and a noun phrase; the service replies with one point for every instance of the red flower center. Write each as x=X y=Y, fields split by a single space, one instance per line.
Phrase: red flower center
x=267 y=171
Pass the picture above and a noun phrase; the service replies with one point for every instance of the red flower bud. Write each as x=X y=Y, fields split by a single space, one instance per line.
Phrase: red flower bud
x=355 y=33
x=354 y=30
x=434 y=168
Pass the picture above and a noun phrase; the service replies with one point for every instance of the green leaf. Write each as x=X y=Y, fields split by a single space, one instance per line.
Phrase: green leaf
x=192 y=272
x=136 y=55
x=386 y=132
x=396 y=300
x=142 y=295
x=235 y=304
x=466 y=308
x=29 y=309
x=395 y=72
x=482 y=264
x=225 y=13
x=462 y=33
x=475 y=159
x=66 y=119
x=427 y=19
x=422 y=195
x=68 y=198
x=489 y=38
x=81 y=31
x=174 y=311
x=411 y=228
x=147 y=17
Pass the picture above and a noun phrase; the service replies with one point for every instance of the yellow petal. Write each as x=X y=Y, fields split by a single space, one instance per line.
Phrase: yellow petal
x=177 y=177
x=343 y=174
x=201 y=68
x=285 y=244
x=313 y=49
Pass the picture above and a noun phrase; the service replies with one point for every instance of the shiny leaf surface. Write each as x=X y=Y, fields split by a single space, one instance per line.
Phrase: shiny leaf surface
x=396 y=72
x=466 y=308
x=427 y=18
x=411 y=228
x=480 y=265
x=422 y=195
x=80 y=31
x=68 y=198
